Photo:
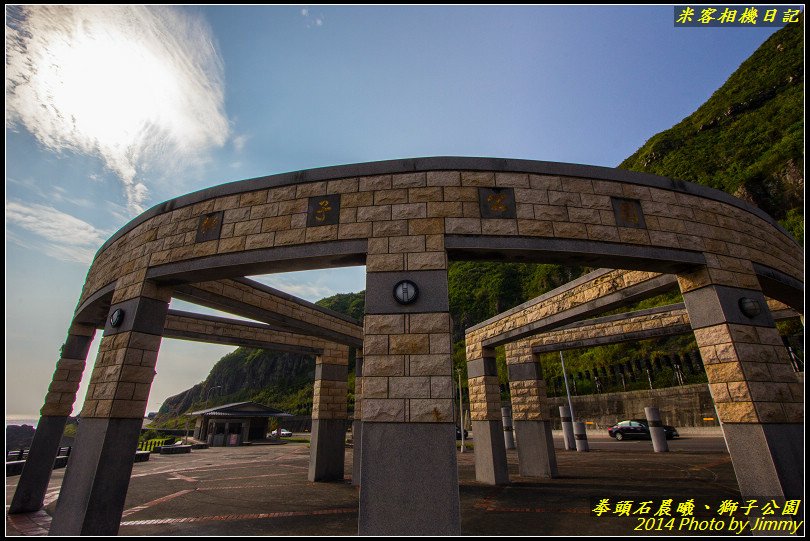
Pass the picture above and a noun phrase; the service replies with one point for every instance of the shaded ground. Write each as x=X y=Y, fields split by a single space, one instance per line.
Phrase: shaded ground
x=263 y=490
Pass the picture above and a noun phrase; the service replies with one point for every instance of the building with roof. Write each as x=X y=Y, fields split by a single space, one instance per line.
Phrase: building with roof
x=234 y=424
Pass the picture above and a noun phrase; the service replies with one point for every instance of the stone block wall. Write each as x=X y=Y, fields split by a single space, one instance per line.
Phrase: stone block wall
x=407 y=369
x=413 y=210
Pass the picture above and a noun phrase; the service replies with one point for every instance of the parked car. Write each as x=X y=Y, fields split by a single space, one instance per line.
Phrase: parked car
x=284 y=432
x=637 y=428
x=458 y=434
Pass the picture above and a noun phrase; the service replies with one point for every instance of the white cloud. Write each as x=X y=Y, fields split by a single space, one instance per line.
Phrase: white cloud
x=136 y=86
x=314 y=285
x=239 y=142
x=60 y=235
x=316 y=20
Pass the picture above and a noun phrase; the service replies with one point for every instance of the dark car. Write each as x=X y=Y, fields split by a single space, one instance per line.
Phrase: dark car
x=637 y=428
x=458 y=434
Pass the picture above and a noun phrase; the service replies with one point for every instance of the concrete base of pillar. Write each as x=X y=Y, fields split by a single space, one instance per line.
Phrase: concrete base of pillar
x=410 y=479
x=327 y=450
x=490 y=453
x=768 y=460
x=95 y=486
x=357 y=439
x=36 y=474
x=536 y=456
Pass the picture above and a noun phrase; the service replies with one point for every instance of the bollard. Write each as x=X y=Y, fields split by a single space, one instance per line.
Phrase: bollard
x=508 y=434
x=568 y=431
x=581 y=438
x=657 y=433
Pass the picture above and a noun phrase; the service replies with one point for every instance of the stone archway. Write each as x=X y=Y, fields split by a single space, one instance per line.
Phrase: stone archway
x=404 y=219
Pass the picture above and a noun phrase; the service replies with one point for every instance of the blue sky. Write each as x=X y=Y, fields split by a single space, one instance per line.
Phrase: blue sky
x=112 y=110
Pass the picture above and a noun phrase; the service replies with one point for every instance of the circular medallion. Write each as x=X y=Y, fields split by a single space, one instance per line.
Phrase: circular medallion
x=117 y=317
x=749 y=307
x=406 y=292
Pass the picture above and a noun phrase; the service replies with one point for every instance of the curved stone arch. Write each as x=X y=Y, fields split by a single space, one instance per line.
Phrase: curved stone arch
x=561 y=211
x=403 y=219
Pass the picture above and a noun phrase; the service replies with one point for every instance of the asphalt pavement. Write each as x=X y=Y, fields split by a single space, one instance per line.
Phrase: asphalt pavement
x=263 y=490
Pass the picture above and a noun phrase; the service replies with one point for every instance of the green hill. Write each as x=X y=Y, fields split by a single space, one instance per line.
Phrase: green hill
x=747 y=140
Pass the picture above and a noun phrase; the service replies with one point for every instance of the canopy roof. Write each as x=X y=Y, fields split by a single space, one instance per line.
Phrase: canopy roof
x=241 y=409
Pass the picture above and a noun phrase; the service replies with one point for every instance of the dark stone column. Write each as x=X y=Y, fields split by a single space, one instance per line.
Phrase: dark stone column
x=407 y=473
x=536 y=456
x=485 y=412
x=328 y=445
x=357 y=424
x=758 y=399
x=95 y=486
x=408 y=459
x=535 y=445
x=30 y=493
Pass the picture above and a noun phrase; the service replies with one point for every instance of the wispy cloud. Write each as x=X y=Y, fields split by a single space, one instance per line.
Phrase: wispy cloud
x=58 y=234
x=310 y=291
x=239 y=142
x=136 y=86
x=314 y=285
x=312 y=20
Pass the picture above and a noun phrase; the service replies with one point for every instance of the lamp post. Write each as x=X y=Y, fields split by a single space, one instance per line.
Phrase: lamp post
x=567 y=391
x=208 y=397
x=460 y=411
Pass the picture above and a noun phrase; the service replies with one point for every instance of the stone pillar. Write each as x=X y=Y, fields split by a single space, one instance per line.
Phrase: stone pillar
x=535 y=445
x=357 y=423
x=30 y=493
x=408 y=460
x=657 y=433
x=95 y=485
x=508 y=435
x=485 y=413
x=328 y=445
x=757 y=396
x=581 y=437
x=567 y=428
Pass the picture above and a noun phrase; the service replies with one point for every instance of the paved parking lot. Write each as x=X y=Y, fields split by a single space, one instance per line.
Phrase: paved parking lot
x=263 y=490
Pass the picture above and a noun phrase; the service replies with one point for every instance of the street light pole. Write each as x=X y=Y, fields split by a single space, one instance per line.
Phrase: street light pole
x=460 y=411
x=567 y=391
x=208 y=397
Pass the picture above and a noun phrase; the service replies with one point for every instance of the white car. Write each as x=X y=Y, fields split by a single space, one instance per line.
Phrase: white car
x=284 y=432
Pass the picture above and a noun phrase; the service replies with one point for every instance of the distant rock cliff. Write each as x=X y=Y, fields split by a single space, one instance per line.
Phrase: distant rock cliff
x=243 y=375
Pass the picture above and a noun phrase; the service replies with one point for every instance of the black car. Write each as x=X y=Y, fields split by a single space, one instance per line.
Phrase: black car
x=458 y=434
x=637 y=428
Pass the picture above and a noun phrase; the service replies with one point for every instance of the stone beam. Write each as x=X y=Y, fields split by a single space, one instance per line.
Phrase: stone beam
x=280 y=310
x=631 y=326
x=220 y=330
x=596 y=292
x=670 y=320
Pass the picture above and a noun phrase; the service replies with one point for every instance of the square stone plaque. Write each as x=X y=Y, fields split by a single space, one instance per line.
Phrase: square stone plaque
x=209 y=227
x=497 y=202
x=628 y=213
x=323 y=210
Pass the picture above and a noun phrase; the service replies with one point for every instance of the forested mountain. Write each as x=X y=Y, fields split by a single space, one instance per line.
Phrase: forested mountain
x=747 y=140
